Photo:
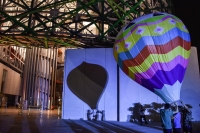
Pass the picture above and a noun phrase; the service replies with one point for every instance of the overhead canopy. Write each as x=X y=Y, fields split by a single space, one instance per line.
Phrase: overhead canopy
x=74 y=23
x=78 y=23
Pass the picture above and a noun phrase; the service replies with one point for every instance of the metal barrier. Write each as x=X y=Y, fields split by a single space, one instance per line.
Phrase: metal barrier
x=4 y=104
x=34 y=103
x=20 y=107
x=59 y=107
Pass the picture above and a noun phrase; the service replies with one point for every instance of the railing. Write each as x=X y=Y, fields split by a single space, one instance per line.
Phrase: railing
x=3 y=104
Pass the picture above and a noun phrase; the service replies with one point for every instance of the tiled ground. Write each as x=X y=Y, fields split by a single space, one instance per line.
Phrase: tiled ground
x=12 y=121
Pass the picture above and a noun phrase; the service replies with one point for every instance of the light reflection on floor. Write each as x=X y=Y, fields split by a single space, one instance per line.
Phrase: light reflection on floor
x=14 y=120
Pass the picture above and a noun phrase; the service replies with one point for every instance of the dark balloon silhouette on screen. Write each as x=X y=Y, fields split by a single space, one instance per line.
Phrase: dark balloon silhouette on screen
x=88 y=81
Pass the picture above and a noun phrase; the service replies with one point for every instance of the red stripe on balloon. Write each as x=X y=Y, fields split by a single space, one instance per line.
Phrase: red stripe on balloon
x=155 y=49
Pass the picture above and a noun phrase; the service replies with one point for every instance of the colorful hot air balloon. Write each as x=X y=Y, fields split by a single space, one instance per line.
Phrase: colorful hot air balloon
x=154 y=50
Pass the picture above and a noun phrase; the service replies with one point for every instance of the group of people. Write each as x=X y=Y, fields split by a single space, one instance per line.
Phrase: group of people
x=175 y=119
x=91 y=115
x=172 y=119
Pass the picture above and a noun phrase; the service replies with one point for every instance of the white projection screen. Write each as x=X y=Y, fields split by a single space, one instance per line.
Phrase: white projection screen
x=91 y=60
x=118 y=105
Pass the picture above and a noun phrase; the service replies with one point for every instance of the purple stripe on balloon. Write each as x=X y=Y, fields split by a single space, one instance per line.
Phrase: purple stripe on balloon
x=164 y=77
x=161 y=66
x=142 y=24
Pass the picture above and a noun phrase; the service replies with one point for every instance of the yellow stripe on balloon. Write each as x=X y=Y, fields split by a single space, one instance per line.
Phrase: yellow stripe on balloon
x=132 y=40
x=131 y=74
x=115 y=55
x=163 y=24
x=161 y=58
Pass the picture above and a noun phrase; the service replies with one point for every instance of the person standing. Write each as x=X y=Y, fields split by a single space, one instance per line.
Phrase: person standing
x=142 y=114
x=96 y=116
x=102 y=115
x=177 y=122
x=187 y=119
x=89 y=113
x=166 y=115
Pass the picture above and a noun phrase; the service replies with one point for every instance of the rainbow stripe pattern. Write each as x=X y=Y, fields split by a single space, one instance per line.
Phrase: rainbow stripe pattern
x=154 y=52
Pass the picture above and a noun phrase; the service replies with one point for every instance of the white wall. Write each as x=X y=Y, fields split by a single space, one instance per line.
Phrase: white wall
x=13 y=81
x=190 y=91
x=130 y=91
x=75 y=108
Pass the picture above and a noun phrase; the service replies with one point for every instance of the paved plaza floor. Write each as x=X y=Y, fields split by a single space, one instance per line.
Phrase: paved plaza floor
x=14 y=120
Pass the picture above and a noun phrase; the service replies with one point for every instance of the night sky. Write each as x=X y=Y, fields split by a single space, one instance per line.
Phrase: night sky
x=189 y=12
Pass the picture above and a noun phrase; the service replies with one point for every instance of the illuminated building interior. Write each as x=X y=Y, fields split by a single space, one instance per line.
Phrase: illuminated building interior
x=34 y=35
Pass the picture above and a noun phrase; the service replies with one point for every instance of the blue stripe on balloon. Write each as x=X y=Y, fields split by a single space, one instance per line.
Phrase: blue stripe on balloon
x=120 y=62
x=153 y=40
x=164 y=77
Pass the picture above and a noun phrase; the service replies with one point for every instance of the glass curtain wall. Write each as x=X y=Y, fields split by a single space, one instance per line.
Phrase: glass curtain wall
x=39 y=76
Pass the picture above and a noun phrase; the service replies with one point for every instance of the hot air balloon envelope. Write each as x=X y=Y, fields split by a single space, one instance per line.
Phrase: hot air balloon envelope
x=153 y=50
